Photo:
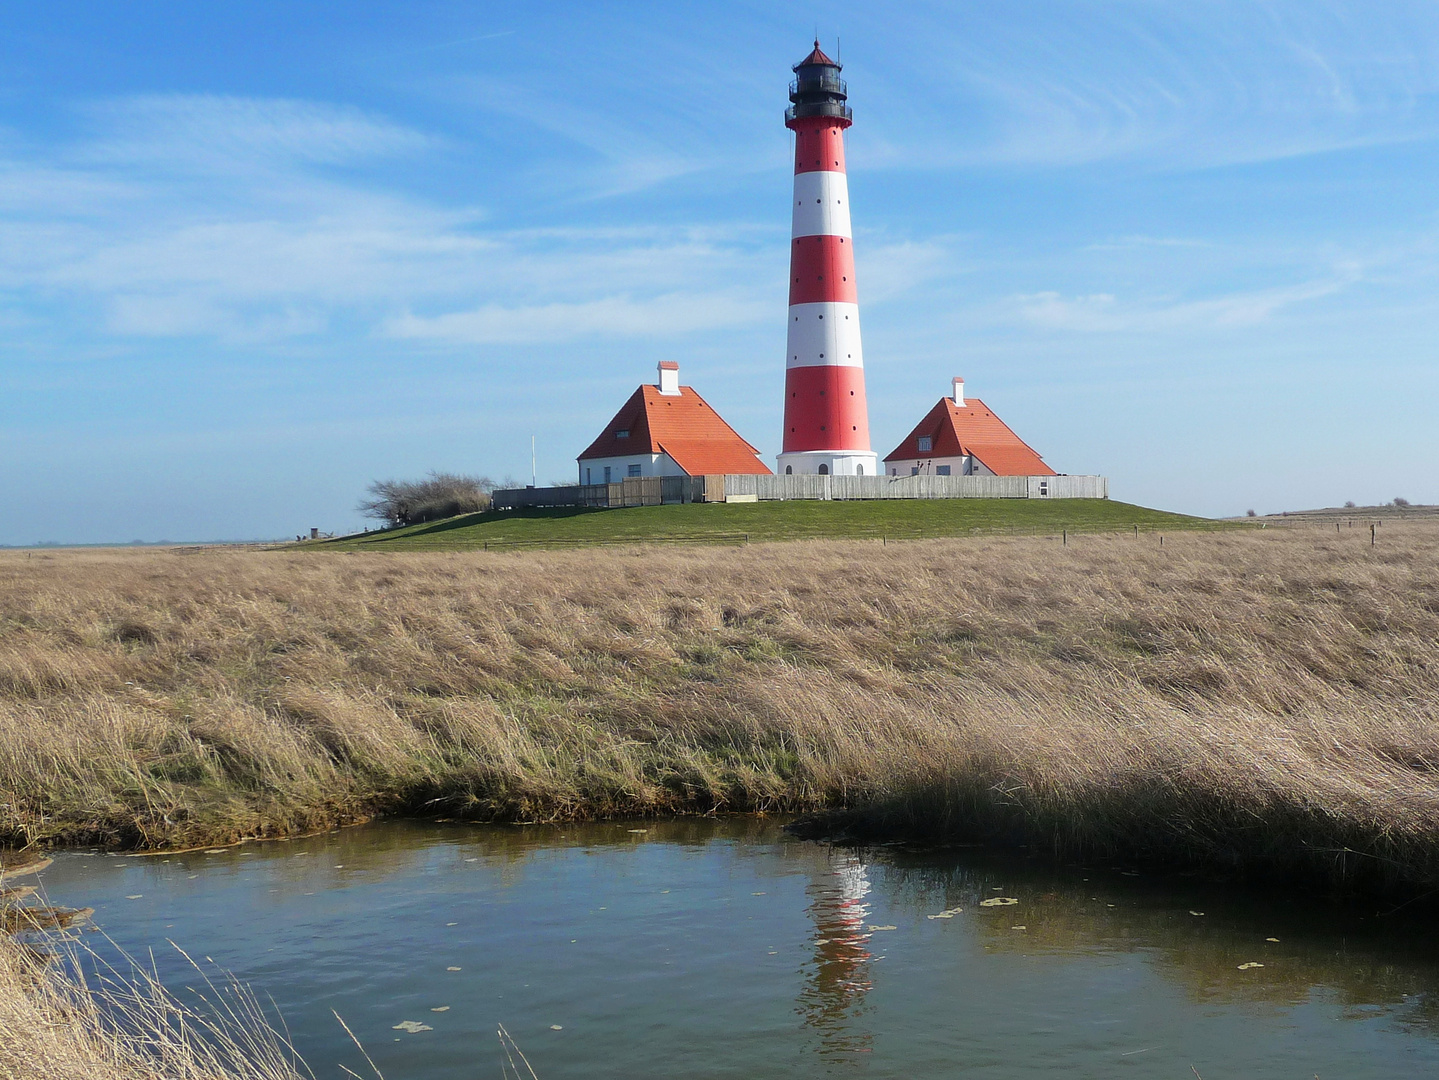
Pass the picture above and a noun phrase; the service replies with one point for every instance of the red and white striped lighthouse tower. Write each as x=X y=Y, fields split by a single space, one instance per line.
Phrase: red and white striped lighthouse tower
x=826 y=421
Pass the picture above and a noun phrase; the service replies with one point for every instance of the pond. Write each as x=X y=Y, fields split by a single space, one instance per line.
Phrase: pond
x=726 y=948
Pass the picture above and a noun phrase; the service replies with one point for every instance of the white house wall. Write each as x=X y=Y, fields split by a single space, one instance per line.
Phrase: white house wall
x=958 y=466
x=650 y=465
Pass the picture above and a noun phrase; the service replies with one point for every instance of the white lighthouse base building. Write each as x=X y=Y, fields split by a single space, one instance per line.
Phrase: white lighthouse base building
x=828 y=463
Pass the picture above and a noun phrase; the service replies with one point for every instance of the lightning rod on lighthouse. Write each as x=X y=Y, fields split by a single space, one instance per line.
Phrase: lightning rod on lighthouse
x=826 y=420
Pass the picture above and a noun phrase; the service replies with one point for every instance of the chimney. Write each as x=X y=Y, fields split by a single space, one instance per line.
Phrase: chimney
x=959 y=391
x=669 y=383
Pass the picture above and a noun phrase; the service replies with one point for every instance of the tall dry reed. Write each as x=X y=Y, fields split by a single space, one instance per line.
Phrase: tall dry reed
x=58 y=1023
x=1261 y=699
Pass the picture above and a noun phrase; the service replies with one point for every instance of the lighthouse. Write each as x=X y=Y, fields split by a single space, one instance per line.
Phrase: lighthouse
x=826 y=420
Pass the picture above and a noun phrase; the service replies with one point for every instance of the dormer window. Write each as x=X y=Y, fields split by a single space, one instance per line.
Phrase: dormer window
x=622 y=433
x=926 y=444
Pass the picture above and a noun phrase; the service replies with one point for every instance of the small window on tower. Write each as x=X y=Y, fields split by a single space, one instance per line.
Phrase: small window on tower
x=926 y=444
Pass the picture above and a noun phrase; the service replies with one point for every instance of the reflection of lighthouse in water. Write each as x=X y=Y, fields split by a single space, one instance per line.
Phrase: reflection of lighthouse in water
x=835 y=987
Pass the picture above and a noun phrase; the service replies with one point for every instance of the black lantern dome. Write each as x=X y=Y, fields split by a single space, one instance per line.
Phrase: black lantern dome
x=817 y=89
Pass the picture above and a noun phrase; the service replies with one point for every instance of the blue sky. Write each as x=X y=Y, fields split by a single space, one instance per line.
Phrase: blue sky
x=254 y=256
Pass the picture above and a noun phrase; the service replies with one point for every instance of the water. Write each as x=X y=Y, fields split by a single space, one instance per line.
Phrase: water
x=705 y=949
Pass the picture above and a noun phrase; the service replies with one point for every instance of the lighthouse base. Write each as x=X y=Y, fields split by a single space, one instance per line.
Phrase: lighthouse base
x=832 y=462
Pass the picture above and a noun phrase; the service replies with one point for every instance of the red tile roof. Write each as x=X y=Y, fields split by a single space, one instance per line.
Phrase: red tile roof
x=682 y=425
x=972 y=429
x=816 y=57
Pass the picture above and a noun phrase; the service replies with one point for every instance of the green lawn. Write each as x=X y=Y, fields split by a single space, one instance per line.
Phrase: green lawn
x=752 y=522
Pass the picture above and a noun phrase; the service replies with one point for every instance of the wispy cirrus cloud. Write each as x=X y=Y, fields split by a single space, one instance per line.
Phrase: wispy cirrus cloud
x=1104 y=313
x=208 y=132
x=201 y=216
x=1164 y=84
x=674 y=314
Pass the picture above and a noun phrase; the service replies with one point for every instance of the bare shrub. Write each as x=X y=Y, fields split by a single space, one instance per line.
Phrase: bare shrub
x=440 y=495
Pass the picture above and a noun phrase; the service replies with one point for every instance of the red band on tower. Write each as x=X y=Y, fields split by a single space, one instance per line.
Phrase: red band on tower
x=822 y=269
x=829 y=409
x=819 y=144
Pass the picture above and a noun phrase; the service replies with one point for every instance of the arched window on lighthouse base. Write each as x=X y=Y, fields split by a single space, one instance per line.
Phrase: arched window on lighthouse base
x=824 y=470
x=789 y=470
x=859 y=470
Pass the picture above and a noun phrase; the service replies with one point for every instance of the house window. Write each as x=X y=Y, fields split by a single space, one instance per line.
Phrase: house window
x=634 y=470
x=622 y=433
x=1044 y=487
x=926 y=444
x=607 y=474
x=914 y=470
x=589 y=478
x=941 y=470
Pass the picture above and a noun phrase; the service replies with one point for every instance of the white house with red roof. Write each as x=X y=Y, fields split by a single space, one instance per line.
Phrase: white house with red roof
x=667 y=429
x=963 y=437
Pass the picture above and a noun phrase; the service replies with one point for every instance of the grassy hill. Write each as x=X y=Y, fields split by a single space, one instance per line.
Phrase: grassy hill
x=752 y=522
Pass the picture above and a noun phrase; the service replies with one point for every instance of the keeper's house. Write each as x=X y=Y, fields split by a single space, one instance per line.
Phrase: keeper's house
x=667 y=430
x=963 y=437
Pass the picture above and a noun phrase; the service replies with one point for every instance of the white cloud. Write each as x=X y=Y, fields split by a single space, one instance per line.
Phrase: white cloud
x=1166 y=84
x=204 y=216
x=209 y=132
x=1103 y=313
x=620 y=316
x=890 y=271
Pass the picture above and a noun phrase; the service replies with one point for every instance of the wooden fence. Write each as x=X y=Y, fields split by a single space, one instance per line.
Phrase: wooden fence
x=663 y=490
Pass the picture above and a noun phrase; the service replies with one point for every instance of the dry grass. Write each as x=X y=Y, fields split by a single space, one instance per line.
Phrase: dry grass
x=54 y=1025
x=1255 y=699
